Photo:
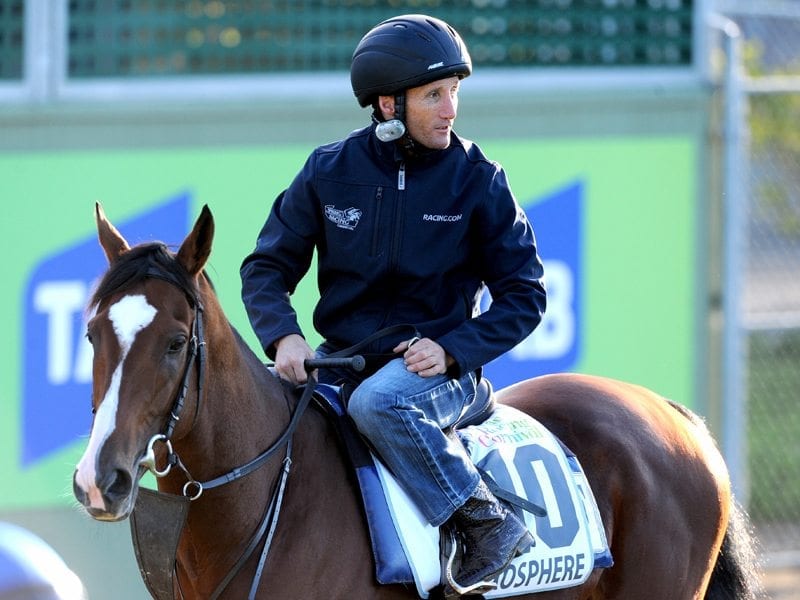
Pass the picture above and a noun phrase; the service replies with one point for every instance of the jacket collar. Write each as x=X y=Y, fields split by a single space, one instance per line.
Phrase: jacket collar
x=391 y=153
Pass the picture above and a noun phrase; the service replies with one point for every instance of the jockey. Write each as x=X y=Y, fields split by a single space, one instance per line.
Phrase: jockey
x=410 y=223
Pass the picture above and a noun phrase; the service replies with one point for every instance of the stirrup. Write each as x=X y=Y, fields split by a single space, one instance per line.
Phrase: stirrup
x=480 y=587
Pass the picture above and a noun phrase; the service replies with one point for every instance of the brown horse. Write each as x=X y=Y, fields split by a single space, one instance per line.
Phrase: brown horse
x=168 y=362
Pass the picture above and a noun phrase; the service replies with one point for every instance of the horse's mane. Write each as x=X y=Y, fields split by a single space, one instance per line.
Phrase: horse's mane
x=152 y=259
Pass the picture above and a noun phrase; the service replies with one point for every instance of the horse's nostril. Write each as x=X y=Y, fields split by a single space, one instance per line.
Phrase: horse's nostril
x=118 y=486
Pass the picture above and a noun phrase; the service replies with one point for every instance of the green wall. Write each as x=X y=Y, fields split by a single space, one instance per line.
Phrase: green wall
x=640 y=155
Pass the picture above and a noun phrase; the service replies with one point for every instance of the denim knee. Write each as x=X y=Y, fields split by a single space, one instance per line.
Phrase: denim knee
x=369 y=408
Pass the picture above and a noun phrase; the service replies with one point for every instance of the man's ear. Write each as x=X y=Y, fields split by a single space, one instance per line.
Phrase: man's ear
x=386 y=106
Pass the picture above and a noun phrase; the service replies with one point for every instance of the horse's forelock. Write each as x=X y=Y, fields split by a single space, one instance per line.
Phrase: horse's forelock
x=142 y=261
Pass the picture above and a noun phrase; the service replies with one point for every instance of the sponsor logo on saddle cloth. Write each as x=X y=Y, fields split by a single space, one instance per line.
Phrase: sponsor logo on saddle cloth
x=522 y=456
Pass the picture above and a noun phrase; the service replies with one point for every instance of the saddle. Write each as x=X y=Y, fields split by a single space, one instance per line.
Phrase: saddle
x=407 y=550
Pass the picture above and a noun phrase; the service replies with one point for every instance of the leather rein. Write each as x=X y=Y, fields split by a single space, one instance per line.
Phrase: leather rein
x=193 y=489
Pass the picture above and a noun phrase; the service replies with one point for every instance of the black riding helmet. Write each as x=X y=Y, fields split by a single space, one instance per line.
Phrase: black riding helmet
x=405 y=52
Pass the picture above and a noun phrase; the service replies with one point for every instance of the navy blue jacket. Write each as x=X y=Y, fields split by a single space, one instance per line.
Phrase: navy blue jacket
x=399 y=242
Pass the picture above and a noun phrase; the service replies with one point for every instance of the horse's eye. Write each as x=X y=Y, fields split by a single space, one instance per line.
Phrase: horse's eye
x=89 y=337
x=177 y=344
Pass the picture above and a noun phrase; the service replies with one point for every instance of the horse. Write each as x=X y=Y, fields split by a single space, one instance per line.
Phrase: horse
x=166 y=359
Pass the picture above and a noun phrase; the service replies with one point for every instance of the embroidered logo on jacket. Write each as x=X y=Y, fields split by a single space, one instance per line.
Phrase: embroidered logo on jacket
x=442 y=218
x=346 y=219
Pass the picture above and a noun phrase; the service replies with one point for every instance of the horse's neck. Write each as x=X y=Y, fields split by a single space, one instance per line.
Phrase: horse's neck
x=236 y=411
x=225 y=519
x=243 y=410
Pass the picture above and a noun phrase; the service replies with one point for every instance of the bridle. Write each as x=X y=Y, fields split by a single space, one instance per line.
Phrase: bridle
x=197 y=353
x=193 y=489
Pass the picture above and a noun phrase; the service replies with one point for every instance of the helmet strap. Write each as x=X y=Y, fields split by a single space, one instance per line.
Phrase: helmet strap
x=394 y=130
x=404 y=141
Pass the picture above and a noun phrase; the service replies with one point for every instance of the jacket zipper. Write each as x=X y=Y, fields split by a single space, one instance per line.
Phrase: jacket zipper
x=398 y=218
x=394 y=249
x=377 y=226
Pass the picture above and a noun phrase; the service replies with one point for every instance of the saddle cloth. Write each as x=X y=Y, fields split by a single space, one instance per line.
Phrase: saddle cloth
x=521 y=456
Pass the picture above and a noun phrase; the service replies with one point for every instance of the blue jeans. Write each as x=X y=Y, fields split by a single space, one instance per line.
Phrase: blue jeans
x=403 y=416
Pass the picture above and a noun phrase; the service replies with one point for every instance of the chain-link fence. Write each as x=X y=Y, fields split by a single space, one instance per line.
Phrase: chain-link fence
x=770 y=34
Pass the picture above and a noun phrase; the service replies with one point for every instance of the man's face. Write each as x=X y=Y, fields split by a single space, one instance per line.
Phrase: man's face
x=431 y=110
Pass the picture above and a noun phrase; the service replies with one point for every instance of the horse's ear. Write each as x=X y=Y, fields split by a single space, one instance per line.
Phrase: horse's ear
x=196 y=248
x=114 y=245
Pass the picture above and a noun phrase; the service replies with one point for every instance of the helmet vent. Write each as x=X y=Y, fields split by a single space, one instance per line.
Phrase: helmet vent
x=434 y=25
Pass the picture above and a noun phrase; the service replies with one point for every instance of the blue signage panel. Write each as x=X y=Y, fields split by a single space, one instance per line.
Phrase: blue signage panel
x=556 y=344
x=58 y=361
x=57 y=390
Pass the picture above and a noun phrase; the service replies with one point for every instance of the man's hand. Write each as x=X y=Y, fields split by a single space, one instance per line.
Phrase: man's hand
x=291 y=352
x=424 y=357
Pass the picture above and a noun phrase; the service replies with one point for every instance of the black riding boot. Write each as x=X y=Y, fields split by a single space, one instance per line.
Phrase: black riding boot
x=492 y=536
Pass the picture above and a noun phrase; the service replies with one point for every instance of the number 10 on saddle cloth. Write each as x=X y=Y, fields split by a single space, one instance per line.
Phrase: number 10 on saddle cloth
x=522 y=456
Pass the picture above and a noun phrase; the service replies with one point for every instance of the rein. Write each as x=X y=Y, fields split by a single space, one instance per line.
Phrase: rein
x=193 y=489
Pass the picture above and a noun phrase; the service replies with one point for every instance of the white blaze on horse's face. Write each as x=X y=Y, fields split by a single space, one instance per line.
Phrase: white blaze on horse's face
x=128 y=316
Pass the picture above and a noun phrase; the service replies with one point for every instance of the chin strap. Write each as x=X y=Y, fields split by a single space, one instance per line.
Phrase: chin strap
x=406 y=143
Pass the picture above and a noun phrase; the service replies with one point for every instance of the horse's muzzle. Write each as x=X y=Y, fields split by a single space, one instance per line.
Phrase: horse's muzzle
x=111 y=498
